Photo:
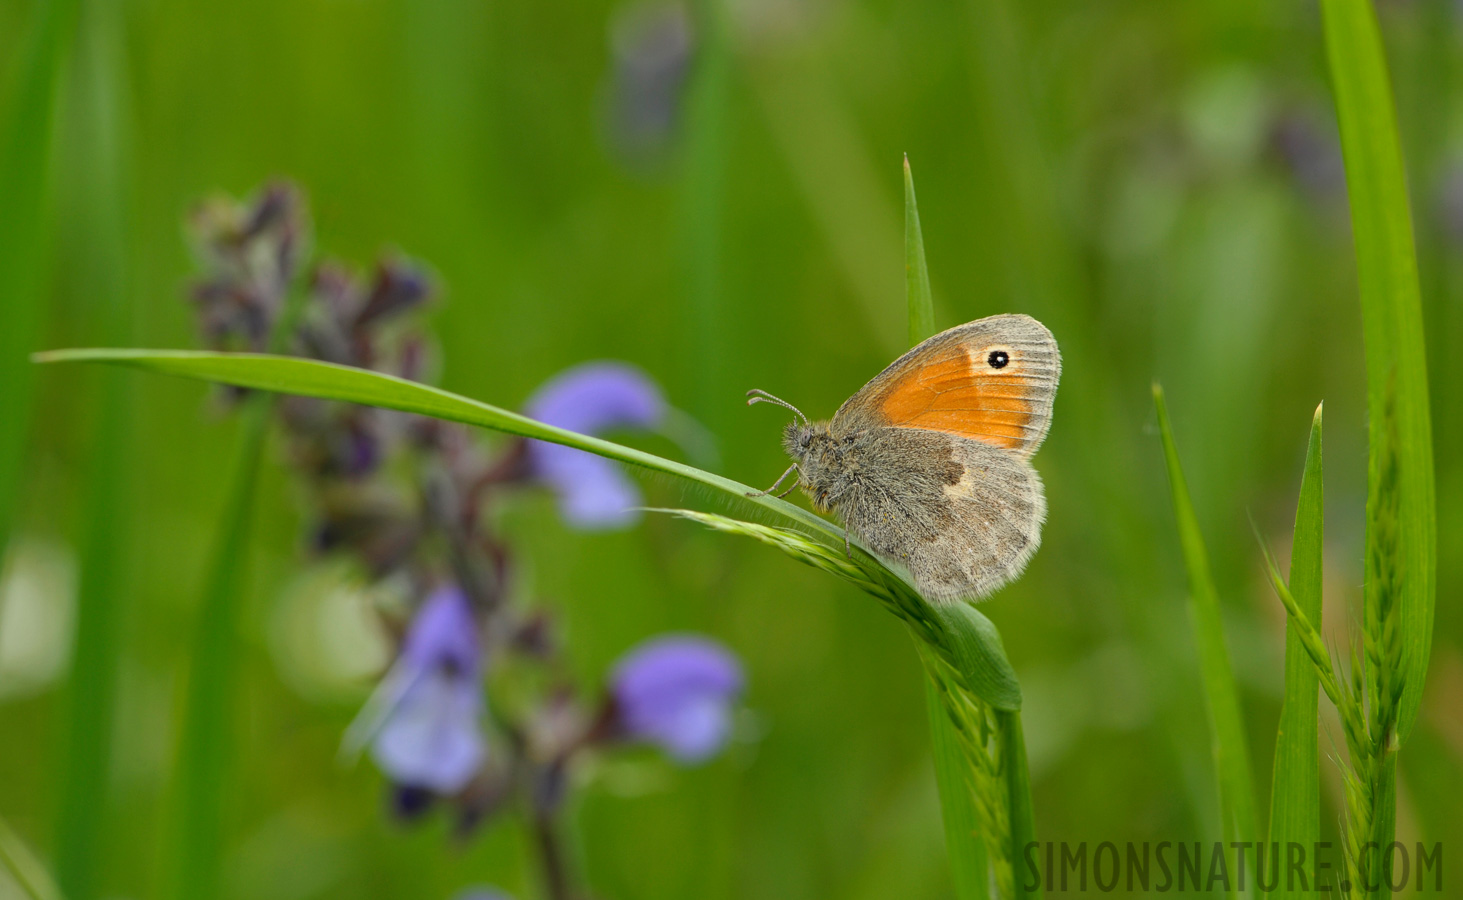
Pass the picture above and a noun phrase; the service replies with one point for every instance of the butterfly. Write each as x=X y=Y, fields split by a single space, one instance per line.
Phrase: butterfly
x=929 y=464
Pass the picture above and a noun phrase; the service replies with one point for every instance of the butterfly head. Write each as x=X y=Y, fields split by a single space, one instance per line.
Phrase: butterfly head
x=824 y=467
x=818 y=454
x=807 y=442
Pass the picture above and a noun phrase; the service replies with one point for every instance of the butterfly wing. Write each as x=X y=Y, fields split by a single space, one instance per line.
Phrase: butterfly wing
x=992 y=380
x=962 y=516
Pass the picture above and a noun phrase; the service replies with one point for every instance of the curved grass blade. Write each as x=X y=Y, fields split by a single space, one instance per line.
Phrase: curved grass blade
x=1236 y=791
x=311 y=378
x=1295 y=796
x=963 y=632
x=1386 y=267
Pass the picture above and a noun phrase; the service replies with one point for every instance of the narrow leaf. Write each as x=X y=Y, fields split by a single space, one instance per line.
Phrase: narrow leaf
x=1027 y=883
x=205 y=754
x=974 y=640
x=85 y=829
x=311 y=378
x=1386 y=267
x=26 y=131
x=1236 y=793
x=1295 y=798
x=916 y=273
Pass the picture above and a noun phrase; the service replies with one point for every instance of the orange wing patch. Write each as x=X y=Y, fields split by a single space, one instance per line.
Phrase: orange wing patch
x=961 y=393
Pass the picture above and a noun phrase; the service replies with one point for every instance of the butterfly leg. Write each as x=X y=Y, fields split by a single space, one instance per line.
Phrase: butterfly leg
x=780 y=479
x=847 y=550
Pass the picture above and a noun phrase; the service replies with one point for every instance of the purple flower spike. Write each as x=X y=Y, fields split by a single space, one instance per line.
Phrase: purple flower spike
x=424 y=720
x=677 y=692
x=592 y=398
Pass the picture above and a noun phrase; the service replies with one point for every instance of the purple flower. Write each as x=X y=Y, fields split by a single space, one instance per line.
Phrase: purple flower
x=424 y=720
x=676 y=692
x=591 y=398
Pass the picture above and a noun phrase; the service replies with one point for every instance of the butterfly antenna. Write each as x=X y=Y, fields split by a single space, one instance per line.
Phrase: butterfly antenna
x=761 y=396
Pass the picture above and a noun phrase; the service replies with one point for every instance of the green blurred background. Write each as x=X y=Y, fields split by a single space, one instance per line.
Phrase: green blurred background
x=1158 y=182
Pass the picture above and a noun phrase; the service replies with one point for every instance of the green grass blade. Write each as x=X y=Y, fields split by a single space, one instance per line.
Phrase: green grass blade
x=969 y=861
x=84 y=830
x=954 y=775
x=916 y=273
x=1236 y=791
x=1018 y=789
x=1386 y=265
x=205 y=754
x=1384 y=826
x=964 y=634
x=25 y=153
x=969 y=865
x=311 y=378
x=17 y=859
x=1295 y=797
x=206 y=750
x=978 y=653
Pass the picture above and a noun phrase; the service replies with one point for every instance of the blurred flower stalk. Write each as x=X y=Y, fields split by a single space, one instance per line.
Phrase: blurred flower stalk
x=454 y=723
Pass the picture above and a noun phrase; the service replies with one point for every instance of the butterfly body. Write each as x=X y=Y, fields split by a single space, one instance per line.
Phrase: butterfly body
x=928 y=464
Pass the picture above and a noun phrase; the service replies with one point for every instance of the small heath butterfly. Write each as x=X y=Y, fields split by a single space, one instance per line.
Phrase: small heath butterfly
x=929 y=464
